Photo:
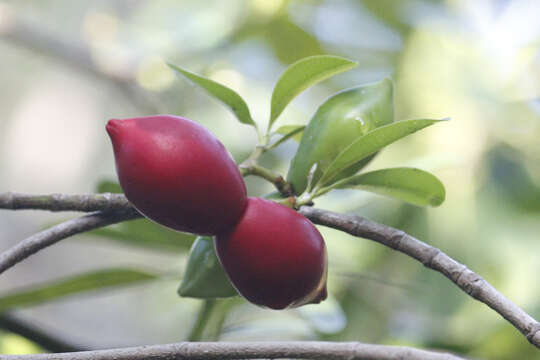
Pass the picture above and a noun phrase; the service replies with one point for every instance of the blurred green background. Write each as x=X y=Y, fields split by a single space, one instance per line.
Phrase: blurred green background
x=69 y=66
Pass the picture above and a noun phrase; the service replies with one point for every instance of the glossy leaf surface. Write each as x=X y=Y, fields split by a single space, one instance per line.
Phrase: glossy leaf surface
x=338 y=122
x=412 y=185
x=370 y=144
x=204 y=277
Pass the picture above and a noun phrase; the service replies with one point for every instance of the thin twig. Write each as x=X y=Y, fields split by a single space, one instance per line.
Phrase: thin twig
x=277 y=180
x=250 y=350
x=48 y=237
x=470 y=282
x=64 y=202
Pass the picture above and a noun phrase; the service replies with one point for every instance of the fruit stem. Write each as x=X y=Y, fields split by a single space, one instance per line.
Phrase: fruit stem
x=260 y=149
x=202 y=320
x=252 y=168
x=289 y=202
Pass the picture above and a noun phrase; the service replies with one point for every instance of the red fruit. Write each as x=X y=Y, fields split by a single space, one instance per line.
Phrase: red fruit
x=177 y=173
x=274 y=256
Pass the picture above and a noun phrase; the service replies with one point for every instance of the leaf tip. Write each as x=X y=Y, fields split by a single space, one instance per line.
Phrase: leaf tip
x=388 y=84
x=174 y=67
x=352 y=63
x=436 y=200
x=183 y=290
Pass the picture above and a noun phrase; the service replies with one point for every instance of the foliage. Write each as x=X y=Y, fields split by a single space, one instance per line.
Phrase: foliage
x=486 y=157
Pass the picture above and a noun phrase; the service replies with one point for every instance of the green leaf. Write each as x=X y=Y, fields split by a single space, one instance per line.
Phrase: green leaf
x=370 y=144
x=108 y=186
x=204 y=276
x=226 y=95
x=288 y=131
x=94 y=280
x=146 y=234
x=301 y=75
x=413 y=185
x=337 y=123
x=295 y=131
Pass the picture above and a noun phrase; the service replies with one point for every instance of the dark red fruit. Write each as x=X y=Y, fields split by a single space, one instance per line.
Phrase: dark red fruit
x=274 y=256
x=177 y=173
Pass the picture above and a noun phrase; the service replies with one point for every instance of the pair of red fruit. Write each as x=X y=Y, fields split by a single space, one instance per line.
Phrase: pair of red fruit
x=178 y=174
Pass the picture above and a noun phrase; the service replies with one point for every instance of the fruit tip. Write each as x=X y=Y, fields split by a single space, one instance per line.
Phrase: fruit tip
x=112 y=126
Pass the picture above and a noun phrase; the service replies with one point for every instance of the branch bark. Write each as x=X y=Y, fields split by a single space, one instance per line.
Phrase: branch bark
x=48 y=237
x=468 y=281
x=120 y=209
x=250 y=350
x=62 y=202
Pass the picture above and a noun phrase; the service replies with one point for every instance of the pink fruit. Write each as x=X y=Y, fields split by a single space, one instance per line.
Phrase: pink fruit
x=274 y=256
x=177 y=173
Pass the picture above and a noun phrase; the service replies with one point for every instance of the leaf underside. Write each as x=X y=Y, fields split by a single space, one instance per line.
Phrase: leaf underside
x=412 y=185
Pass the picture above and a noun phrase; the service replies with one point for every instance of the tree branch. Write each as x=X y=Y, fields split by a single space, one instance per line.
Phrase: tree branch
x=62 y=202
x=433 y=258
x=250 y=350
x=48 y=237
